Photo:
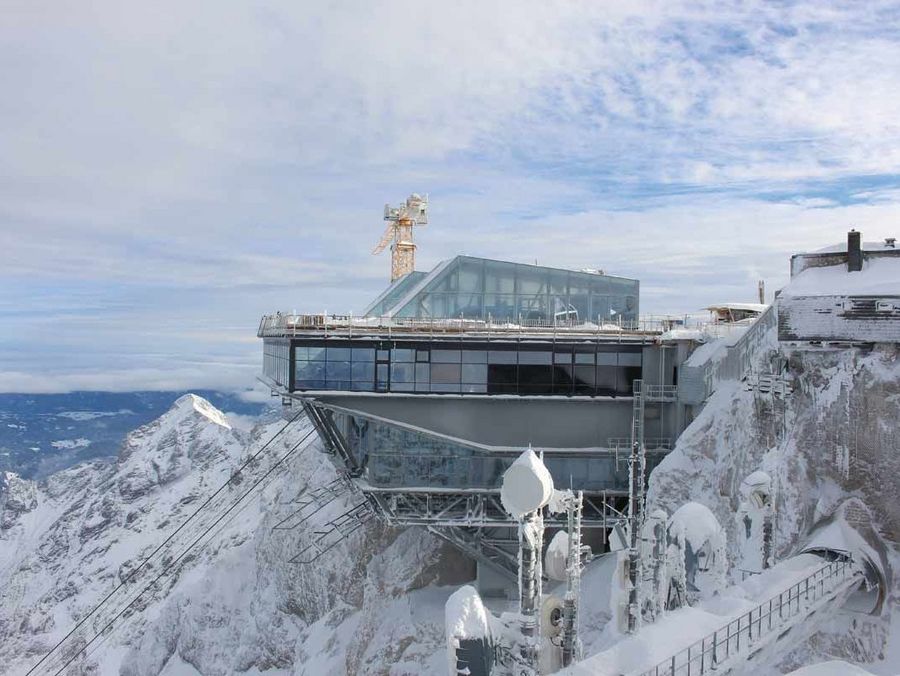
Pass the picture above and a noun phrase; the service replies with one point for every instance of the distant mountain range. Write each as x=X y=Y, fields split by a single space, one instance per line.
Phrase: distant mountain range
x=44 y=433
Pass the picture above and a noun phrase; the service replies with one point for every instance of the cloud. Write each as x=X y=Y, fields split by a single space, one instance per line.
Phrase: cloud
x=172 y=171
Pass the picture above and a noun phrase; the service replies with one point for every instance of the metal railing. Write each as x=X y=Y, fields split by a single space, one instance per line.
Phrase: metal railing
x=697 y=383
x=738 y=637
x=278 y=325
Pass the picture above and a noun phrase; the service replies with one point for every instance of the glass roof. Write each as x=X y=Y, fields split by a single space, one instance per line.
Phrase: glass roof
x=466 y=287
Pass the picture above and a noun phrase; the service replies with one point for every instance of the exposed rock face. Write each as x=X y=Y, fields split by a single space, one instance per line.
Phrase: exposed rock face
x=235 y=603
x=837 y=437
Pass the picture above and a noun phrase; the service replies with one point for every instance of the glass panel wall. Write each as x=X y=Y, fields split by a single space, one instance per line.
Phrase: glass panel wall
x=475 y=288
x=454 y=368
x=395 y=456
x=277 y=361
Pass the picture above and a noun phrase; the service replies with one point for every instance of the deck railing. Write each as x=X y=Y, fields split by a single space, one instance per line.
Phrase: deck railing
x=278 y=325
x=741 y=636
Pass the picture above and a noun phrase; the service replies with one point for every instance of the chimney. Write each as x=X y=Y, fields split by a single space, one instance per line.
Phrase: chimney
x=854 y=252
x=762 y=291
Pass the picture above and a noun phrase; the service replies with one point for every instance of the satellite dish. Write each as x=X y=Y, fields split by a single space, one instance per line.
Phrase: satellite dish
x=527 y=485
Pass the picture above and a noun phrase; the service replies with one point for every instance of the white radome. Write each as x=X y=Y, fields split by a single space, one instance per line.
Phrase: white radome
x=527 y=485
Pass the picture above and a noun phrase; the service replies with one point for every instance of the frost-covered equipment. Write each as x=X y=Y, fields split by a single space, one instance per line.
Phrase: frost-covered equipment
x=696 y=536
x=637 y=463
x=468 y=627
x=399 y=233
x=654 y=552
x=756 y=517
x=526 y=489
x=571 y=644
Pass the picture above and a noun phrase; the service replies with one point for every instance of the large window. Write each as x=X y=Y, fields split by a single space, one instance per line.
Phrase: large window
x=277 y=361
x=563 y=370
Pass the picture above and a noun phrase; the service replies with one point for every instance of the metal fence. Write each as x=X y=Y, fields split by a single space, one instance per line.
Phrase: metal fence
x=739 y=636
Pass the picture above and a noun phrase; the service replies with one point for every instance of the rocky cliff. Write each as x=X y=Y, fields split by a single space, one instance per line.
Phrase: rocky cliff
x=234 y=603
x=834 y=437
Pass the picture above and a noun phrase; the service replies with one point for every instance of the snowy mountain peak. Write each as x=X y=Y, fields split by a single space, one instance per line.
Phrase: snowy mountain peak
x=191 y=403
x=189 y=435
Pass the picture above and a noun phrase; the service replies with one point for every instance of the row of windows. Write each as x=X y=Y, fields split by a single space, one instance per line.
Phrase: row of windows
x=466 y=370
x=465 y=356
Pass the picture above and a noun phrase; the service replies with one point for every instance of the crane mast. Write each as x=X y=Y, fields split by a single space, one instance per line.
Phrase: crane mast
x=399 y=233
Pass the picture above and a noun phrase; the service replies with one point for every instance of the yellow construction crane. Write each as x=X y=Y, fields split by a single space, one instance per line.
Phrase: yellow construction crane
x=399 y=233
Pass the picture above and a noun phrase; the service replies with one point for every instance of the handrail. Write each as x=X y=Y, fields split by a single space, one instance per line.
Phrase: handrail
x=738 y=636
x=280 y=325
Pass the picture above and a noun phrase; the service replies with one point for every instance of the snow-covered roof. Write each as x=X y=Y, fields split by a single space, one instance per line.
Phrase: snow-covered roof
x=865 y=246
x=879 y=276
x=749 y=307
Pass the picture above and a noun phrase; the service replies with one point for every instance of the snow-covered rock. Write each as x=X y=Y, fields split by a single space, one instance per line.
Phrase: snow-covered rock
x=235 y=603
x=836 y=438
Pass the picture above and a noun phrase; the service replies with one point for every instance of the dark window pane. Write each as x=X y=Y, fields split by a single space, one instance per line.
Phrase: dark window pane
x=502 y=378
x=626 y=377
x=402 y=387
x=445 y=373
x=584 y=375
x=562 y=358
x=606 y=359
x=421 y=355
x=363 y=354
x=474 y=356
x=423 y=373
x=445 y=356
x=535 y=375
x=339 y=354
x=383 y=355
x=474 y=389
x=584 y=358
x=317 y=354
x=301 y=353
x=606 y=380
x=366 y=386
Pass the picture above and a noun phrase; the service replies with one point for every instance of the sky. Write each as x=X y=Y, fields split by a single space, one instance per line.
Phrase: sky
x=171 y=171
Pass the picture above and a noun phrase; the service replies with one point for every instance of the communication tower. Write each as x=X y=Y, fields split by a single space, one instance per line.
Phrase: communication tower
x=399 y=233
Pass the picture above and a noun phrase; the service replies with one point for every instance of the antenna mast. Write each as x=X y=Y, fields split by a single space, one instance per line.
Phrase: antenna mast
x=399 y=233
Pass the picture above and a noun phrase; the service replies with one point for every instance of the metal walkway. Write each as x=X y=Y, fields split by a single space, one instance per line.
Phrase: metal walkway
x=728 y=649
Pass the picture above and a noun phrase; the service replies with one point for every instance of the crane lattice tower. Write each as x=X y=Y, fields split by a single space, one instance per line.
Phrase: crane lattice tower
x=399 y=233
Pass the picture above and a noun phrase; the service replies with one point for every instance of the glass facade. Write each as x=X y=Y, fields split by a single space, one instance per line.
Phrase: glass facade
x=590 y=369
x=476 y=288
x=277 y=361
x=396 y=456
x=393 y=293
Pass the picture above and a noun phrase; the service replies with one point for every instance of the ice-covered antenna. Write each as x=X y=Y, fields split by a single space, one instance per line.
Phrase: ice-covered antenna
x=526 y=489
x=527 y=485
